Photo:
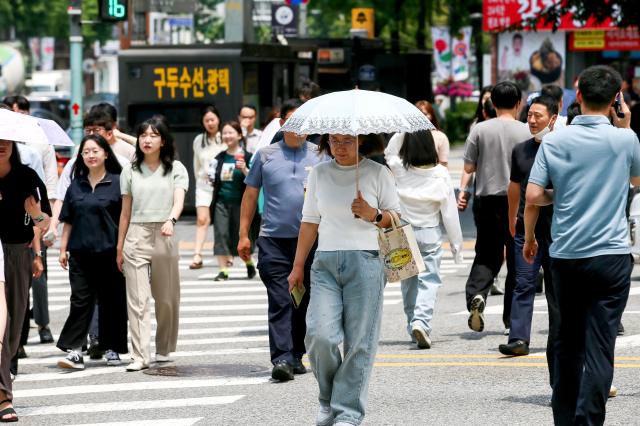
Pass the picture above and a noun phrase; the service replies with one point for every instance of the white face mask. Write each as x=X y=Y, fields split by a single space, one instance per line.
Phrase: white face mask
x=542 y=133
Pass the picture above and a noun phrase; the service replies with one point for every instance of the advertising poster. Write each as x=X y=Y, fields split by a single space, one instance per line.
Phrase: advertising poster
x=531 y=60
x=461 y=46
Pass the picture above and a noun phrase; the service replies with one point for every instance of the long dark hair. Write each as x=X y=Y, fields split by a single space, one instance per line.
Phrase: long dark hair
x=418 y=149
x=236 y=126
x=111 y=163
x=14 y=159
x=167 y=150
x=205 y=135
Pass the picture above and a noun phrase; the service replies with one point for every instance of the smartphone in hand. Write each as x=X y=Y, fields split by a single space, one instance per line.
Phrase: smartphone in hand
x=617 y=106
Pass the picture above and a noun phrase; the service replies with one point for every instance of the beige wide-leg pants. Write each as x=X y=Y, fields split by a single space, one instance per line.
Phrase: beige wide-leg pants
x=151 y=269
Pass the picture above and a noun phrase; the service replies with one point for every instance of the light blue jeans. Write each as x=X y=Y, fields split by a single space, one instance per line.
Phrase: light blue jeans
x=419 y=293
x=347 y=289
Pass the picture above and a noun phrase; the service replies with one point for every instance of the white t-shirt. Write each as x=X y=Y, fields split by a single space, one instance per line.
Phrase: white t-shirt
x=330 y=192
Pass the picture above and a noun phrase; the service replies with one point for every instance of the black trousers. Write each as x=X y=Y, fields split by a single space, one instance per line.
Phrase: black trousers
x=592 y=294
x=287 y=325
x=96 y=276
x=492 y=223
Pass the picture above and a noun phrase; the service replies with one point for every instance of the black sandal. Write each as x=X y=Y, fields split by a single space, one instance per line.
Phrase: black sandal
x=7 y=411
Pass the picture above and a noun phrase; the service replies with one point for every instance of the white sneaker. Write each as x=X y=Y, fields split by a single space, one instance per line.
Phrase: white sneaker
x=421 y=336
x=163 y=358
x=476 y=316
x=137 y=366
x=325 y=416
x=506 y=331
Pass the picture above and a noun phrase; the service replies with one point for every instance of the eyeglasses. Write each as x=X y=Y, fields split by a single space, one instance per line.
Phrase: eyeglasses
x=87 y=152
x=94 y=130
x=347 y=143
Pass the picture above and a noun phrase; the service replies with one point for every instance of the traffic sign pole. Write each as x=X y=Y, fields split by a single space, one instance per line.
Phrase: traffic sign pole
x=75 y=41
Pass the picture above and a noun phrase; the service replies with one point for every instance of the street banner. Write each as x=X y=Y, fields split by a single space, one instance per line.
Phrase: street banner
x=442 y=49
x=47 y=44
x=498 y=15
x=531 y=60
x=621 y=39
x=460 y=48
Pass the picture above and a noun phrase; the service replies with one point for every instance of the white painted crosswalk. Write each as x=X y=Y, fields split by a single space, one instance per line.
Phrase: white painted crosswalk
x=217 y=320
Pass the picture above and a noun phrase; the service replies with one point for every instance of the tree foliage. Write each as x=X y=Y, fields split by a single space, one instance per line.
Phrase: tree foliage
x=41 y=18
x=403 y=23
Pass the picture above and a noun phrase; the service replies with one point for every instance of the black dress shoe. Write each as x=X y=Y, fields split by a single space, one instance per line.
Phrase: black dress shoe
x=45 y=335
x=298 y=367
x=517 y=348
x=620 y=329
x=282 y=371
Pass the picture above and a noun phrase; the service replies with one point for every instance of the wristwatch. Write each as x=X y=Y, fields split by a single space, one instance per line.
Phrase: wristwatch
x=38 y=253
x=378 y=217
x=172 y=220
x=38 y=219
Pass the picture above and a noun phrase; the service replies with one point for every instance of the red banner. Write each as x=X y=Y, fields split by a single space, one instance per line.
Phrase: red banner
x=498 y=15
x=622 y=39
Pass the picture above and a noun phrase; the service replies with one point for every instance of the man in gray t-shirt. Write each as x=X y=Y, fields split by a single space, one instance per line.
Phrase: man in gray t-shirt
x=488 y=154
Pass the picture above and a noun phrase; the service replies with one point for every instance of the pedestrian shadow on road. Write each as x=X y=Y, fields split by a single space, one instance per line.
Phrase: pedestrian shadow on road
x=540 y=400
x=473 y=335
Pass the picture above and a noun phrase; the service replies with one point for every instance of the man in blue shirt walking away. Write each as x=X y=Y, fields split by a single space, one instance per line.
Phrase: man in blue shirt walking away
x=589 y=164
x=281 y=170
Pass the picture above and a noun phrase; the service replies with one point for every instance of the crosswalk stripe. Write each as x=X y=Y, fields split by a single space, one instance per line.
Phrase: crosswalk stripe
x=138 y=386
x=98 y=367
x=187 y=332
x=155 y=422
x=98 y=407
x=231 y=298
x=181 y=342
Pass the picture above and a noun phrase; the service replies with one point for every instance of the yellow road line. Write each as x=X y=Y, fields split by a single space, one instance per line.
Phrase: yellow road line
x=477 y=364
x=460 y=364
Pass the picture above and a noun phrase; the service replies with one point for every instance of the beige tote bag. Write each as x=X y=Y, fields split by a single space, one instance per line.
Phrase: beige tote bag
x=399 y=251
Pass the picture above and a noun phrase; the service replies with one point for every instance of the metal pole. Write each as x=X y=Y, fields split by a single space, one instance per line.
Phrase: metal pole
x=75 y=42
x=302 y=24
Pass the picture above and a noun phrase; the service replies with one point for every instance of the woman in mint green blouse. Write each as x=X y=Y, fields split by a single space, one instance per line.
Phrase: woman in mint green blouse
x=153 y=188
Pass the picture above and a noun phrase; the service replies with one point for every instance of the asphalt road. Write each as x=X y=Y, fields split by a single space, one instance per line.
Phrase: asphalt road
x=221 y=371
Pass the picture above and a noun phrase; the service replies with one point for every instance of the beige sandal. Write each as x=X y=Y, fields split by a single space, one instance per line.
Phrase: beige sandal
x=196 y=264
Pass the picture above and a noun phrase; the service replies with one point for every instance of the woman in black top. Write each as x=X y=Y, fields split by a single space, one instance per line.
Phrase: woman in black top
x=23 y=205
x=90 y=214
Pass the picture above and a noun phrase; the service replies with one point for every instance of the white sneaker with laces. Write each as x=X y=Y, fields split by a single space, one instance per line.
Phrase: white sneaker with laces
x=325 y=415
x=72 y=361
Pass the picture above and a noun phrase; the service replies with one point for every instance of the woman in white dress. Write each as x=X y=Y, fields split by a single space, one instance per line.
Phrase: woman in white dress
x=206 y=146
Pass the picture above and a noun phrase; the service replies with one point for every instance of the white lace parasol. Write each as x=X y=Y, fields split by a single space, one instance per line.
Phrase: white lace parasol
x=356 y=112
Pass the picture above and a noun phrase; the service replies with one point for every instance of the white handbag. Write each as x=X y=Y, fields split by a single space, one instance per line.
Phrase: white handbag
x=399 y=251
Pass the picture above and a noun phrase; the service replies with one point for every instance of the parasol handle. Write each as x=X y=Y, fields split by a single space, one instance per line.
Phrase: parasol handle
x=357 y=171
